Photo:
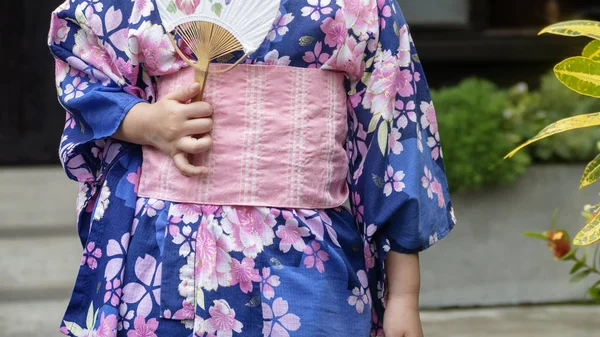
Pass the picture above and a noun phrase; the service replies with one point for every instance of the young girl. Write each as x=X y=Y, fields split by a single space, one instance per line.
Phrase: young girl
x=251 y=237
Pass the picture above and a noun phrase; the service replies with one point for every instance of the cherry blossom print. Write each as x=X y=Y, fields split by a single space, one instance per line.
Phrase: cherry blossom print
x=280 y=27
x=433 y=238
x=188 y=6
x=360 y=295
x=222 y=320
x=149 y=207
x=184 y=238
x=59 y=30
x=317 y=8
x=272 y=58
x=213 y=262
x=315 y=256
x=244 y=274
x=384 y=83
x=434 y=143
x=404 y=51
x=113 y=292
x=88 y=49
x=438 y=190
x=268 y=283
x=91 y=255
x=335 y=29
x=385 y=12
x=291 y=235
x=426 y=181
x=75 y=89
x=147 y=291
x=361 y=16
x=189 y=213
x=134 y=178
x=316 y=58
x=358 y=209
x=107 y=327
x=187 y=310
x=428 y=119
x=393 y=181
x=368 y=251
x=153 y=48
x=126 y=317
x=143 y=328
x=317 y=221
x=277 y=320
x=404 y=113
x=286 y=214
x=404 y=83
x=348 y=58
x=141 y=9
x=251 y=228
x=394 y=143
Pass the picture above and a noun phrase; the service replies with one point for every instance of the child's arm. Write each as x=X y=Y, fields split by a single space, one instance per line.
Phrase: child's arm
x=402 y=309
x=170 y=125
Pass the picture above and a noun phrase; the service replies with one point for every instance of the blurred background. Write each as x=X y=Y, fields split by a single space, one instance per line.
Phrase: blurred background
x=493 y=88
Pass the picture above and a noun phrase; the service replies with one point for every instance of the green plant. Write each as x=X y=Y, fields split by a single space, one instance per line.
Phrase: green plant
x=582 y=75
x=477 y=135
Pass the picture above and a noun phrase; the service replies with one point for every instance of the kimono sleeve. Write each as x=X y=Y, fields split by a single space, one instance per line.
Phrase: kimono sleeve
x=398 y=185
x=91 y=91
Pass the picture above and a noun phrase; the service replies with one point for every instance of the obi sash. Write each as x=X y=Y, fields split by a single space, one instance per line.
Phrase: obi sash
x=278 y=140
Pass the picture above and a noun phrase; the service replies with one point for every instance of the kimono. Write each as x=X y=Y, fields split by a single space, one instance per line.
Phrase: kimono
x=279 y=271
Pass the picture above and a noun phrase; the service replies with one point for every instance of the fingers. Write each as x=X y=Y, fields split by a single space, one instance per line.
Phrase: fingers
x=198 y=126
x=184 y=94
x=193 y=145
x=197 y=110
x=183 y=165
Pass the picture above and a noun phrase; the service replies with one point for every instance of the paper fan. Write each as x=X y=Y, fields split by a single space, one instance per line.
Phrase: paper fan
x=215 y=28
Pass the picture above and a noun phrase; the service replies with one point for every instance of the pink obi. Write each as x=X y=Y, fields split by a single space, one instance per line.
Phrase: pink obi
x=278 y=140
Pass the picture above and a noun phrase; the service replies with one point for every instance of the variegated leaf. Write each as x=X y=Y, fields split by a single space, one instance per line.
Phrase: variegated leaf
x=590 y=233
x=374 y=122
x=575 y=28
x=591 y=173
x=580 y=74
x=382 y=137
x=571 y=123
x=592 y=50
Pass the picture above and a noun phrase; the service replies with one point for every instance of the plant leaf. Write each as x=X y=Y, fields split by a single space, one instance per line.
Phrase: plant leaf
x=580 y=74
x=594 y=293
x=570 y=255
x=74 y=328
x=592 y=50
x=254 y=302
x=590 y=233
x=580 y=276
x=374 y=122
x=576 y=267
x=217 y=8
x=172 y=8
x=575 y=28
x=566 y=124
x=378 y=181
x=535 y=235
x=306 y=40
x=89 y=321
x=591 y=173
x=382 y=137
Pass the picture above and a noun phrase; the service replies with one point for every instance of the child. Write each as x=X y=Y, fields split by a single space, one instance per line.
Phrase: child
x=250 y=238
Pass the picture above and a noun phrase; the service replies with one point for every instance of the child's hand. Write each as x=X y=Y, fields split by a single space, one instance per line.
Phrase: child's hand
x=401 y=317
x=171 y=125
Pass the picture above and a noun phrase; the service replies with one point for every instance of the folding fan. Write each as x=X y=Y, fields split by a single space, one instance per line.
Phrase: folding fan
x=215 y=28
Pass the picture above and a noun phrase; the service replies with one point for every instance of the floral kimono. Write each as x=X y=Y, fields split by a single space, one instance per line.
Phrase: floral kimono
x=277 y=271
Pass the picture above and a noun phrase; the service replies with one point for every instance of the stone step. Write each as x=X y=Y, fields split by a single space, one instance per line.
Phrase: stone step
x=42 y=318
x=36 y=201
x=38 y=268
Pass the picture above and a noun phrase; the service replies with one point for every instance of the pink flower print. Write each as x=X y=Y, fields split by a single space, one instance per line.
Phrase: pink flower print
x=315 y=58
x=426 y=182
x=150 y=206
x=360 y=295
x=250 y=227
x=359 y=209
x=59 y=30
x=113 y=292
x=434 y=143
x=291 y=235
x=134 y=178
x=141 y=9
x=75 y=89
x=404 y=113
x=143 y=328
x=244 y=274
x=213 y=263
x=147 y=291
x=268 y=283
x=394 y=141
x=287 y=214
x=393 y=181
x=90 y=255
x=185 y=238
x=154 y=48
x=383 y=85
x=189 y=213
x=315 y=256
x=335 y=29
x=437 y=189
x=187 y=6
x=433 y=238
x=362 y=16
x=211 y=210
x=126 y=317
x=187 y=310
x=272 y=58
x=61 y=69
x=316 y=8
x=369 y=256
x=404 y=51
x=222 y=320
x=277 y=319
x=385 y=12
x=96 y=5
x=107 y=326
x=428 y=119
x=280 y=26
x=88 y=50
x=404 y=83
x=348 y=58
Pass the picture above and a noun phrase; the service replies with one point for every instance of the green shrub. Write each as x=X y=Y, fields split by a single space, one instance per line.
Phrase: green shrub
x=476 y=136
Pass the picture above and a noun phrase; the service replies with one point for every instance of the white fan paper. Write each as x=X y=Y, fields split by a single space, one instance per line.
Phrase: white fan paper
x=249 y=21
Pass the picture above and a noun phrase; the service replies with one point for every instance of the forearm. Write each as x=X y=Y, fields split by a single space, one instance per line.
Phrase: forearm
x=403 y=276
x=134 y=128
